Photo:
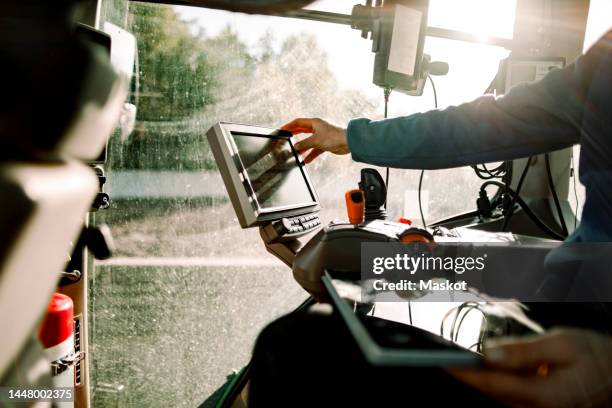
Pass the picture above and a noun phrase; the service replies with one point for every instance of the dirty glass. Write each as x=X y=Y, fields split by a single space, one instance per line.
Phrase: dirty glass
x=180 y=305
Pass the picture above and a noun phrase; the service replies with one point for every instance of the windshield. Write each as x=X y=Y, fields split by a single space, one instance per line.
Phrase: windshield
x=181 y=304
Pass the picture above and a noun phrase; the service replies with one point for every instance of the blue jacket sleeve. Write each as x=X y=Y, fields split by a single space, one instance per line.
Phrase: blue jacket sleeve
x=530 y=119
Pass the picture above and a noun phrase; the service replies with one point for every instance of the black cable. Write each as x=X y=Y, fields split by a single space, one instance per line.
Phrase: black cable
x=410 y=311
x=468 y=309
x=387 y=93
x=500 y=171
x=510 y=211
x=486 y=174
x=575 y=193
x=536 y=220
x=468 y=306
x=387 y=185
x=433 y=86
x=420 y=202
x=435 y=93
x=457 y=311
x=553 y=190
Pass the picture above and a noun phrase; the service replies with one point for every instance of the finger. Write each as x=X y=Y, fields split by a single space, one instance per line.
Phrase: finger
x=301 y=125
x=308 y=143
x=500 y=385
x=314 y=153
x=297 y=131
x=555 y=347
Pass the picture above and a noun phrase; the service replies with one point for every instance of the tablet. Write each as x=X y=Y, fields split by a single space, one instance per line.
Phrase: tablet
x=391 y=343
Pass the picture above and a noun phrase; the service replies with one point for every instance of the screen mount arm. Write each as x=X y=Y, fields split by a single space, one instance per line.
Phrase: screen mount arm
x=361 y=19
x=283 y=249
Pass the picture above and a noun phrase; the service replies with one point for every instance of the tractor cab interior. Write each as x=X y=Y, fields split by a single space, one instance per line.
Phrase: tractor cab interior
x=157 y=216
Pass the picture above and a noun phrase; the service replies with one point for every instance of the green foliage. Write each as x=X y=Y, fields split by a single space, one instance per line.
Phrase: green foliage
x=189 y=81
x=176 y=76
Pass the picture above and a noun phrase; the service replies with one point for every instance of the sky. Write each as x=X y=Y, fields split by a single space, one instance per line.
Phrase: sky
x=599 y=21
x=350 y=56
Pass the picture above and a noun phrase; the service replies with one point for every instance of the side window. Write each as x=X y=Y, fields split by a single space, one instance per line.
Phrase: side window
x=180 y=305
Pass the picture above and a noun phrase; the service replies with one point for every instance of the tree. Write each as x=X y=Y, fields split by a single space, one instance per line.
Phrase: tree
x=190 y=81
x=176 y=76
x=277 y=85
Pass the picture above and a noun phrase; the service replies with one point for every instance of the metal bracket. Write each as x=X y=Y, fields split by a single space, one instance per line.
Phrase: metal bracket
x=285 y=250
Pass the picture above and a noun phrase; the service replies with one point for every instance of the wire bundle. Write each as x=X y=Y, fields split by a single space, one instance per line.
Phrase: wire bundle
x=458 y=319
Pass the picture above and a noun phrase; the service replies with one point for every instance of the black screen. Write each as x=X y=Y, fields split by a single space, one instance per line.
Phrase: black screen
x=273 y=171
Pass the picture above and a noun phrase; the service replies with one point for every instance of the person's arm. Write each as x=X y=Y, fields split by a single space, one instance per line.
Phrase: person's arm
x=531 y=119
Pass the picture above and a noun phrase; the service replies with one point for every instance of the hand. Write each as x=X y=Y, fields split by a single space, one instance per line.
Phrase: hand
x=563 y=368
x=325 y=137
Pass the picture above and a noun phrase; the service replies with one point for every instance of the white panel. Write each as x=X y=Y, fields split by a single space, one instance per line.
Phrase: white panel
x=598 y=23
x=405 y=40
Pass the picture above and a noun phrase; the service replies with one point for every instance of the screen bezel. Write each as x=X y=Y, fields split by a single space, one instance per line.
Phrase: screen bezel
x=247 y=209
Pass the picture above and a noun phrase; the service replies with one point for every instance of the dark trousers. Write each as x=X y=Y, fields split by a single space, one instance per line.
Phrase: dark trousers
x=311 y=359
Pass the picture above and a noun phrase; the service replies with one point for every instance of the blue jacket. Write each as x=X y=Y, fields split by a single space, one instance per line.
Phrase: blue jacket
x=568 y=106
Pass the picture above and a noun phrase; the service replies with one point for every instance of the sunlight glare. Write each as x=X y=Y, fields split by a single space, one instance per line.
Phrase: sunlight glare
x=485 y=18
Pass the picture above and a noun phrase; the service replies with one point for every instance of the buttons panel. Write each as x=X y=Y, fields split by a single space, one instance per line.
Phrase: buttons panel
x=302 y=223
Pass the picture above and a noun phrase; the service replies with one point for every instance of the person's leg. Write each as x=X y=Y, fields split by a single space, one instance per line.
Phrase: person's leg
x=311 y=359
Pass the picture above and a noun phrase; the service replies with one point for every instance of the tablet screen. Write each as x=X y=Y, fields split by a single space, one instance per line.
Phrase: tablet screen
x=386 y=334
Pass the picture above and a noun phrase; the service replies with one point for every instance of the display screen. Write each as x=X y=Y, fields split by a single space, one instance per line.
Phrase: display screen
x=274 y=173
x=405 y=40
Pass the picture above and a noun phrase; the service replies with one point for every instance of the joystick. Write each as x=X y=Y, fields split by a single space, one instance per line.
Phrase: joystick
x=375 y=194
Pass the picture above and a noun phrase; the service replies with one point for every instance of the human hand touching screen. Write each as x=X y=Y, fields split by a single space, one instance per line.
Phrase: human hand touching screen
x=324 y=137
x=272 y=170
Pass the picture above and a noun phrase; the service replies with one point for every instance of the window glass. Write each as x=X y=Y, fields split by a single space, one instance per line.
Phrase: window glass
x=598 y=22
x=486 y=18
x=181 y=304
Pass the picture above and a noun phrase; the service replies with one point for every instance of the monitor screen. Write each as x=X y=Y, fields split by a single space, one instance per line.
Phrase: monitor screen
x=273 y=171
x=405 y=40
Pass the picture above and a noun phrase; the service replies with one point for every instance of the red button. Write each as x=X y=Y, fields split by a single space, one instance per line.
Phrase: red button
x=58 y=324
x=405 y=221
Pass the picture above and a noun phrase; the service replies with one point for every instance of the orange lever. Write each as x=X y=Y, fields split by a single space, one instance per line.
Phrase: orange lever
x=355 y=205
